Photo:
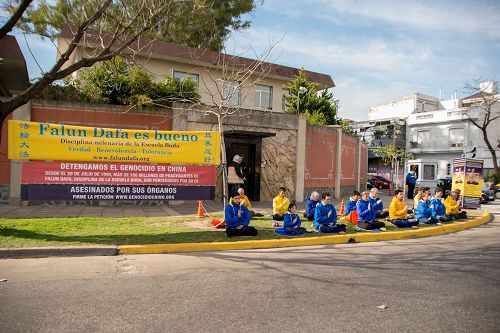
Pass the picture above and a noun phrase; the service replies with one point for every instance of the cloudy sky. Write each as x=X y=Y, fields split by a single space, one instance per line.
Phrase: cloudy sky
x=374 y=50
x=380 y=50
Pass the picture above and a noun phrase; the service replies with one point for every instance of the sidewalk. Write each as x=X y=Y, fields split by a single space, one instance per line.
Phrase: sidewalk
x=146 y=210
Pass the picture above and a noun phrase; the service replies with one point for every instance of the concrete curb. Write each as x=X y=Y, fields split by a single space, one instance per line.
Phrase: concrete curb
x=69 y=251
x=322 y=240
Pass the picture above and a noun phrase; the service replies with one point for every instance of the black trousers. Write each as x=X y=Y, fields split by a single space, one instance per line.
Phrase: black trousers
x=382 y=214
x=411 y=190
x=245 y=231
x=278 y=217
x=369 y=225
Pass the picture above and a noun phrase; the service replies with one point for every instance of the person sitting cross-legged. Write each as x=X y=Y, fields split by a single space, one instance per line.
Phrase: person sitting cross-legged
x=325 y=217
x=312 y=202
x=367 y=215
x=291 y=222
x=452 y=205
x=351 y=203
x=238 y=219
x=438 y=207
x=245 y=201
x=424 y=210
x=376 y=204
x=280 y=206
x=398 y=212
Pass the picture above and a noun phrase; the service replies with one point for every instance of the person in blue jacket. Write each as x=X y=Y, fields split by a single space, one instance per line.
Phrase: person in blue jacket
x=423 y=213
x=325 y=217
x=351 y=204
x=291 y=222
x=312 y=202
x=237 y=218
x=411 y=181
x=376 y=204
x=438 y=207
x=367 y=215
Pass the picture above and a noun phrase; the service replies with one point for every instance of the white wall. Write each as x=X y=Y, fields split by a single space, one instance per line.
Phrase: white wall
x=398 y=108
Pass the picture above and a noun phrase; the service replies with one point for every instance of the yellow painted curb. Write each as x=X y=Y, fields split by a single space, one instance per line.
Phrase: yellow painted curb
x=322 y=240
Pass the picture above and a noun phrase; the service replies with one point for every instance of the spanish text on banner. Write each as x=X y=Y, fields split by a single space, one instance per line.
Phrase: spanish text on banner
x=45 y=141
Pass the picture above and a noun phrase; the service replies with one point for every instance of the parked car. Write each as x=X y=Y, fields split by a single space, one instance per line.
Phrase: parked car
x=496 y=189
x=380 y=181
x=487 y=196
x=370 y=183
x=445 y=184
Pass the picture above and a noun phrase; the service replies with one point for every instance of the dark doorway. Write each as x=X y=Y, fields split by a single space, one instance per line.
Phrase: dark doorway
x=249 y=145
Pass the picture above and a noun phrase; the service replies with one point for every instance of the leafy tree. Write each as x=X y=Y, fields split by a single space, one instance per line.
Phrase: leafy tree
x=393 y=156
x=113 y=28
x=198 y=23
x=116 y=82
x=319 y=109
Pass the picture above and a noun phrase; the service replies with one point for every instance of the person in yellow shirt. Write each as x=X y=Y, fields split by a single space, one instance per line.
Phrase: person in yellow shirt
x=452 y=206
x=245 y=201
x=398 y=212
x=280 y=206
x=418 y=197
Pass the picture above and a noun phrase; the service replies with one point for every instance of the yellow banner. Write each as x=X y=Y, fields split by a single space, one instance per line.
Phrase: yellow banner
x=58 y=142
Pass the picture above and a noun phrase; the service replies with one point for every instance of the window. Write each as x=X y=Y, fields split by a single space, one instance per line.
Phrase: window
x=448 y=169
x=423 y=136
x=231 y=94
x=425 y=116
x=429 y=172
x=457 y=137
x=263 y=96
x=182 y=75
x=286 y=92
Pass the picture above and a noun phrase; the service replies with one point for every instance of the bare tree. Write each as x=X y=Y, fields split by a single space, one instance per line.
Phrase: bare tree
x=106 y=28
x=483 y=109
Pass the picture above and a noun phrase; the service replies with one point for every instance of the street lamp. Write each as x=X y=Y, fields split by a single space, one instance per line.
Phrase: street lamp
x=302 y=90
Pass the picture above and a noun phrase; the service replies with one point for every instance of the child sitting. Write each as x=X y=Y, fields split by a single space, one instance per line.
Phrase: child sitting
x=452 y=206
x=418 y=197
x=398 y=212
x=280 y=206
x=438 y=207
x=351 y=204
x=424 y=210
x=367 y=215
x=291 y=222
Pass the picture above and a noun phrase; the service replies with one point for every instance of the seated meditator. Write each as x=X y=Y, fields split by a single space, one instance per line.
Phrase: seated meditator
x=424 y=210
x=237 y=218
x=351 y=203
x=438 y=207
x=418 y=197
x=325 y=217
x=245 y=201
x=280 y=206
x=291 y=222
x=312 y=202
x=453 y=207
x=398 y=212
x=367 y=215
x=376 y=204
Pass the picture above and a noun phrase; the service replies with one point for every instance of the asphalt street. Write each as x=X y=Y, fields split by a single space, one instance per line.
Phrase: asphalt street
x=448 y=283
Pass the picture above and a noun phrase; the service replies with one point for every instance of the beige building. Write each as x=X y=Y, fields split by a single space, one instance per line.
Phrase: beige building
x=222 y=79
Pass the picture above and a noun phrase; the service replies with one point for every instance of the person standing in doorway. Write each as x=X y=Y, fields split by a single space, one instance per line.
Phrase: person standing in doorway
x=235 y=177
x=411 y=181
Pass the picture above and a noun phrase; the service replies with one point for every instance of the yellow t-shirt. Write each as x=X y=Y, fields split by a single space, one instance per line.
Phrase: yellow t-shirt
x=451 y=205
x=416 y=200
x=244 y=200
x=397 y=209
x=280 y=205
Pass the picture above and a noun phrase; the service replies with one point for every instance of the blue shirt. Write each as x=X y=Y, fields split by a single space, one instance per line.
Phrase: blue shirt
x=439 y=207
x=363 y=213
x=411 y=178
x=321 y=215
x=310 y=206
x=423 y=210
x=351 y=205
x=288 y=221
x=232 y=218
x=376 y=207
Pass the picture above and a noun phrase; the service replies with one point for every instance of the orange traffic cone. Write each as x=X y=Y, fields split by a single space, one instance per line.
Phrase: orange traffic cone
x=200 y=209
x=342 y=207
x=218 y=223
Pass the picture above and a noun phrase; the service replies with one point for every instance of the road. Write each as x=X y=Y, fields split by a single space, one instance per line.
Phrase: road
x=447 y=283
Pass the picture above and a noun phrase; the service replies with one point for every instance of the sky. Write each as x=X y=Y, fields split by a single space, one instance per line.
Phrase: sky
x=375 y=51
